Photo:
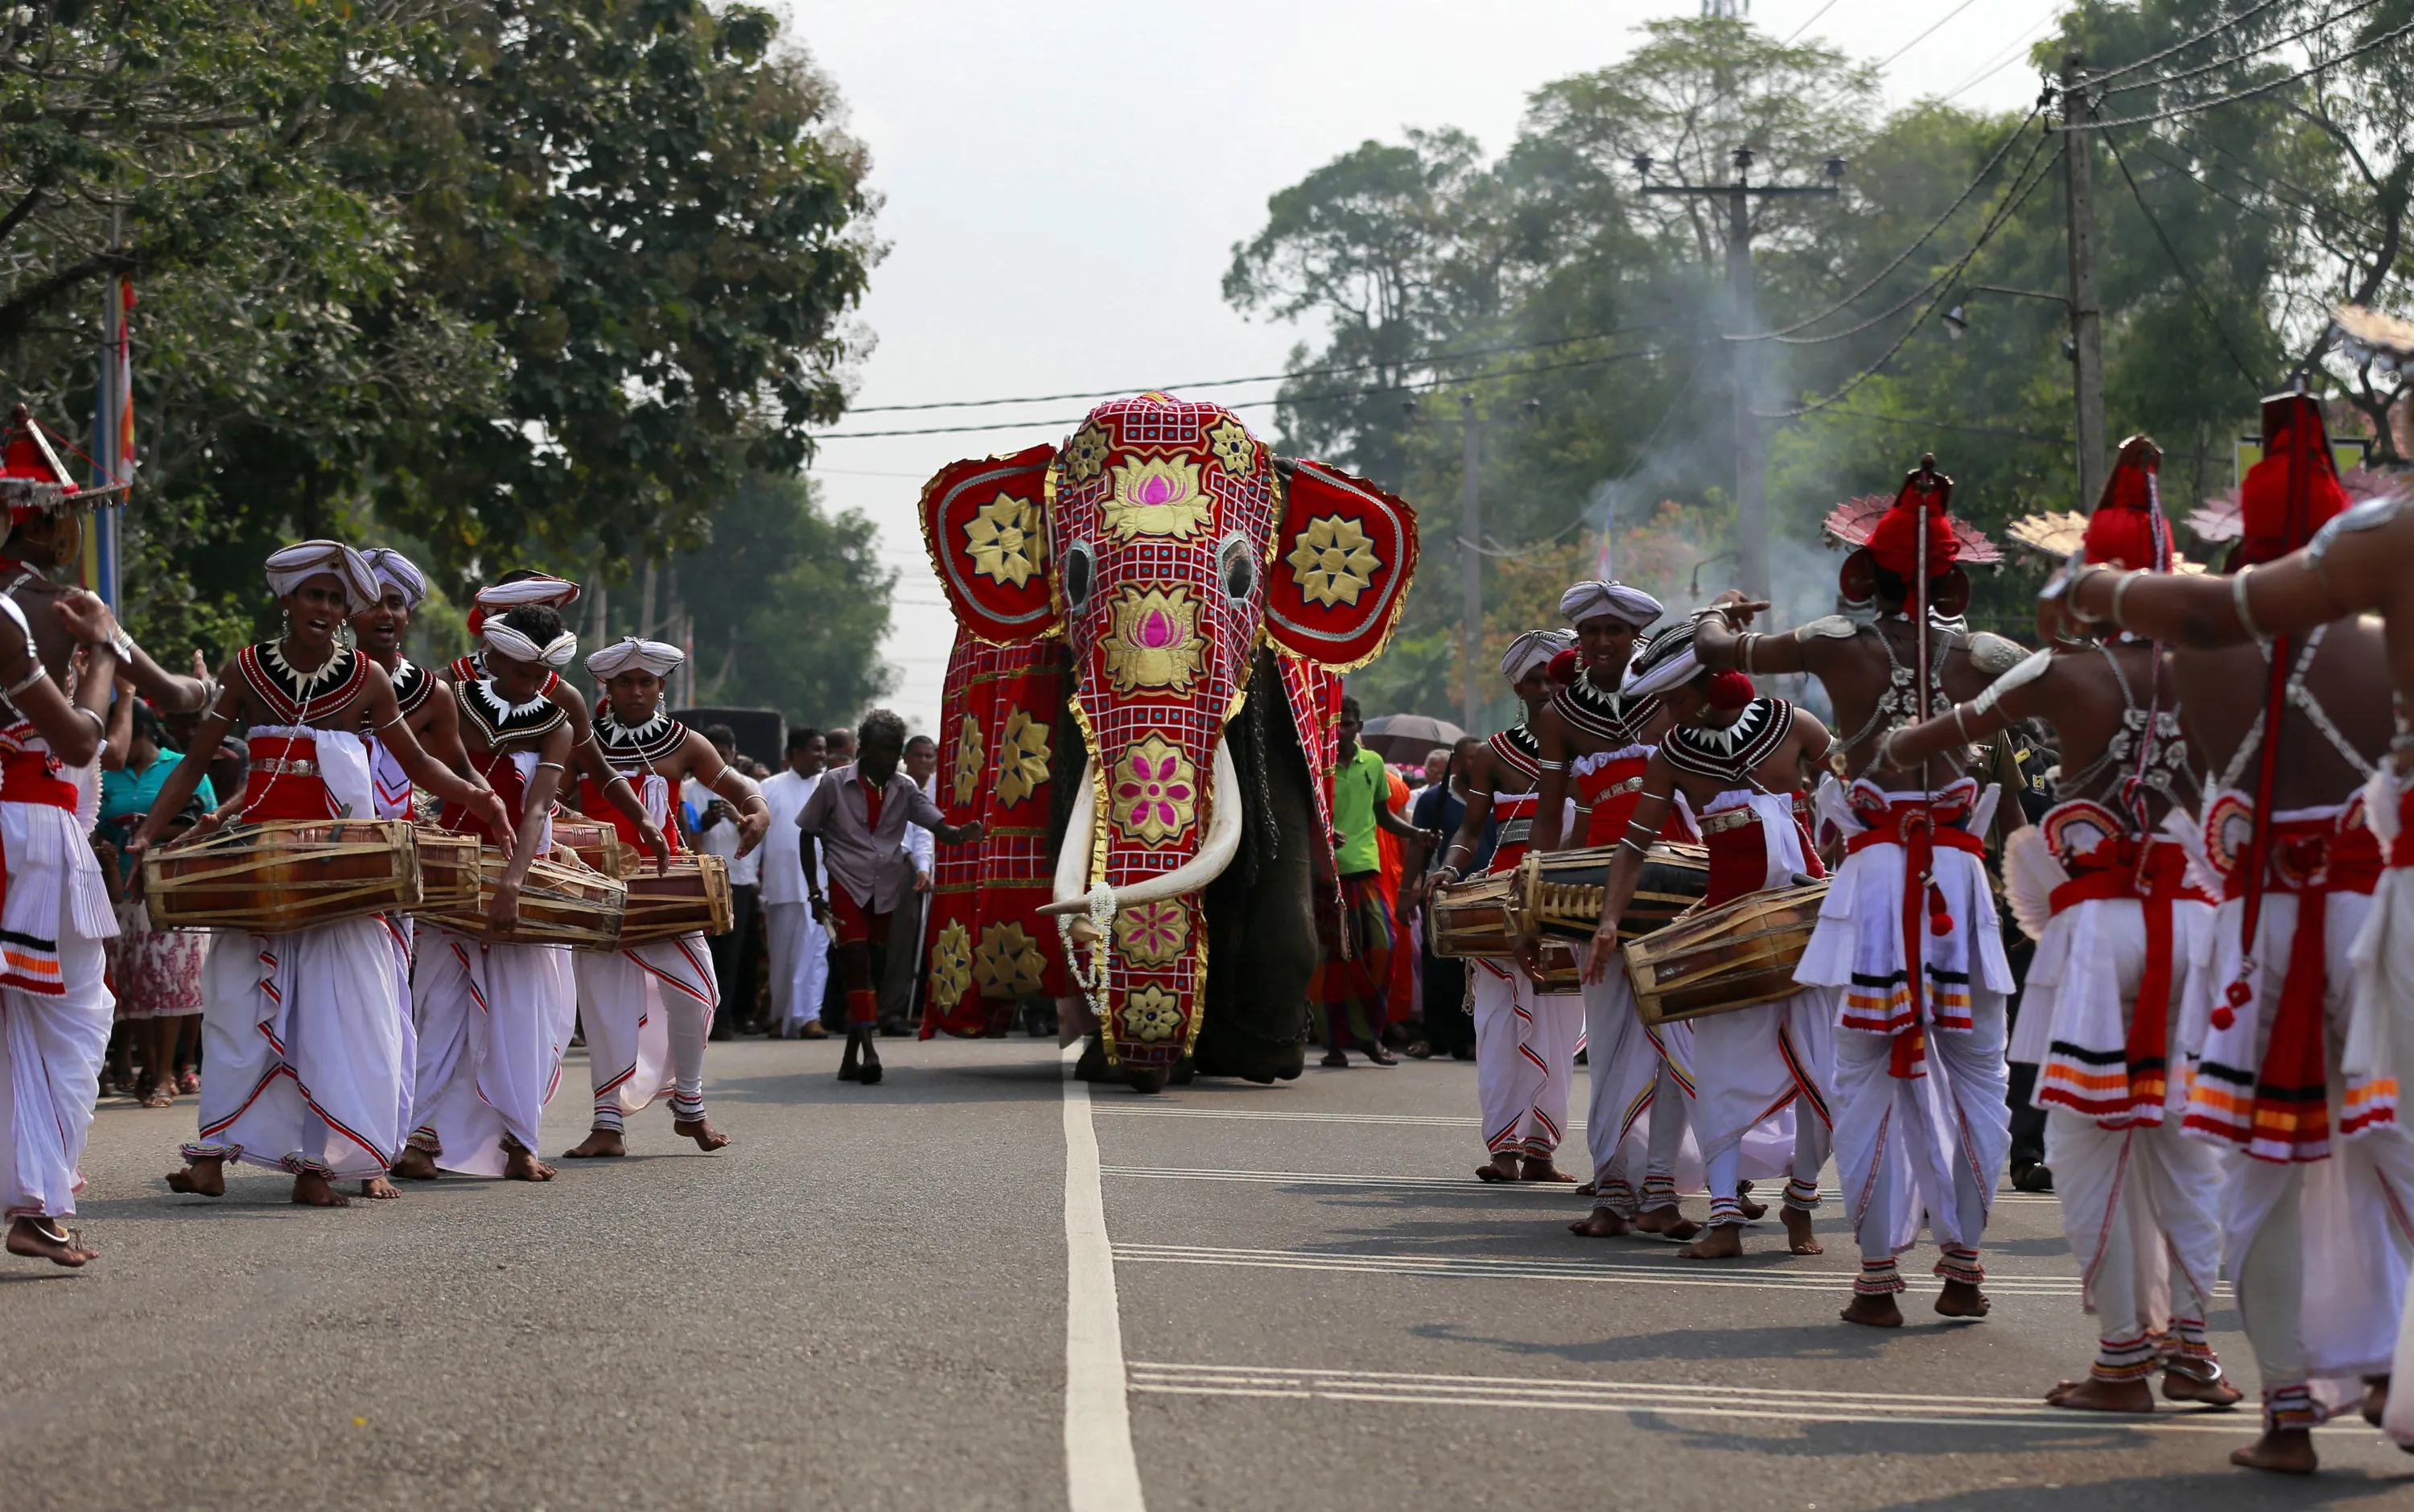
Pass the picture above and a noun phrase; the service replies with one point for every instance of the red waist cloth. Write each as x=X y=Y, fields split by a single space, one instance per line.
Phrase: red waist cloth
x=2312 y=859
x=1738 y=847
x=1918 y=826
x=284 y=781
x=33 y=777
x=502 y=775
x=2154 y=872
x=594 y=805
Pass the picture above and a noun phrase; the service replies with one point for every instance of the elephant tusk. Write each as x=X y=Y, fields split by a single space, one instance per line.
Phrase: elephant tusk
x=1072 y=884
x=1214 y=853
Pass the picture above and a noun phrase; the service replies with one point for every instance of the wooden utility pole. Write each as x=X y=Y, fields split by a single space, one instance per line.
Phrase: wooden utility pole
x=2086 y=314
x=1470 y=546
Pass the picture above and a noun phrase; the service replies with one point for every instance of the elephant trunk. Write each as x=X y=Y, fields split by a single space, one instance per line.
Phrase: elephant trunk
x=1214 y=853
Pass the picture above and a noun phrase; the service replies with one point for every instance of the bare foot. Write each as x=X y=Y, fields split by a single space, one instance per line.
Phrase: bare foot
x=1752 y=1212
x=1500 y=1168
x=1541 y=1169
x=2375 y=1399
x=203 y=1179
x=1961 y=1299
x=1336 y=1059
x=2284 y=1451
x=701 y=1130
x=379 y=1188
x=523 y=1165
x=1878 y=1312
x=2094 y=1396
x=2180 y=1384
x=1798 y=1238
x=1720 y=1241
x=1605 y=1224
x=38 y=1238
x=311 y=1189
x=415 y=1166
x=600 y=1143
x=1590 y=1189
x=1667 y=1222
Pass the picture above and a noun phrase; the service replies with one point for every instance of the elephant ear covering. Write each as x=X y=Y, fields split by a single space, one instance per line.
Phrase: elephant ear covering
x=1343 y=560
x=984 y=524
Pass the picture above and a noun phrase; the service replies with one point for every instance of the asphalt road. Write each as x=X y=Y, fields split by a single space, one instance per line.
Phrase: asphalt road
x=863 y=1303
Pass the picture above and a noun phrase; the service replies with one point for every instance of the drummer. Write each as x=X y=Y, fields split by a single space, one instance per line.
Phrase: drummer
x=303 y=1033
x=628 y=998
x=1738 y=759
x=1595 y=734
x=1525 y=1040
x=494 y=1015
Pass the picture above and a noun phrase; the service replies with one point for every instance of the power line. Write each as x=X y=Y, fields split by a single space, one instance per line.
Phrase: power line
x=2009 y=56
x=2382 y=41
x=1925 y=35
x=1944 y=424
x=2214 y=30
x=2220 y=334
x=1258 y=378
x=1808 y=24
x=1787 y=337
x=2241 y=56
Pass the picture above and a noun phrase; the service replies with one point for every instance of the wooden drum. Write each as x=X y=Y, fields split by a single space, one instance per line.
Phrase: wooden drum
x=1560 y=891
x=285 y=874
x=1477 y=917
x=597 y=846
x=692 y=898
x=1739 y=954
x=562 y=902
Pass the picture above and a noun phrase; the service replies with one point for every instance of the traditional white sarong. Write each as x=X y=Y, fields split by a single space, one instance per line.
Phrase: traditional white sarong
x=647 y=1011
x=1525 y=1059
x=1638 y=1102
x=393 y=792
x=799 y=965
x=1932 y=1141
x=55 y=1008
x=2380 y=1035
x=301 y=1032
x=493 y=1020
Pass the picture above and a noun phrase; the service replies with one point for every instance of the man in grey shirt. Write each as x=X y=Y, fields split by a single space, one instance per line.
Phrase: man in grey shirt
x=859 y=815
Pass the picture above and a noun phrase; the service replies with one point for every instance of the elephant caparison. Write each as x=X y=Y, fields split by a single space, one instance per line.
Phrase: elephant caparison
x=1207 y=597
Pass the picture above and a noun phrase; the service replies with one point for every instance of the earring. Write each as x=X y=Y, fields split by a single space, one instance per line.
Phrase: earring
x=285 y=629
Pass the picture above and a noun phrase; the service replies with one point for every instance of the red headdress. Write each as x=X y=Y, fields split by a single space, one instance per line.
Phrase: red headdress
x=33 y=479
x=2128 y=529
x=1884 y=533
x=2295 y=489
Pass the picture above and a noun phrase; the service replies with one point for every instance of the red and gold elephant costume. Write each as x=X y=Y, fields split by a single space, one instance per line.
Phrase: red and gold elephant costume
x=1162 y=545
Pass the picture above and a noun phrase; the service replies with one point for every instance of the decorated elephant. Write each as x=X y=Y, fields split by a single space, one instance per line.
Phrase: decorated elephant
x=1203 y=598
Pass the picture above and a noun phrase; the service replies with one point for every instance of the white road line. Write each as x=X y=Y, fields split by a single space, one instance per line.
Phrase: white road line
x=1673 y=1399
x=1764 y=1275
x=1101 y=1474
x=1434 y=1120
x=1466 y=1183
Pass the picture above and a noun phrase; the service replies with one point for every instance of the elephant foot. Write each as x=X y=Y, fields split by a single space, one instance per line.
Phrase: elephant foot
x=1184 y=1071
x=1148 y=1078
x=1092 y=1065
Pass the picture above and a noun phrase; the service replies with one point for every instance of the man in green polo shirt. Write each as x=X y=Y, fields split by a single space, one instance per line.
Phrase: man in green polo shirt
x=1353 y=979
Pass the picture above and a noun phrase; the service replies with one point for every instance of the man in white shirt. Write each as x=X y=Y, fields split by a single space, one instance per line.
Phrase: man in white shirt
x=798 y=945
x=716 y=834
x=903 y=968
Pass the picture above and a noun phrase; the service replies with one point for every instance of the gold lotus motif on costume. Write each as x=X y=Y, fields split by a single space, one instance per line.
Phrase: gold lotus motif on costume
x=1002 y=539
x=1151 y=1014
x=1086 y=453
x=1332 y=560
x=1155 y=641
x=1154 y=934
x=1008 y=964
x=1158 y=496
x=968 y=761
x=1155 y=791
x=952 y=966
x=1022 y=759
x=1233 y=446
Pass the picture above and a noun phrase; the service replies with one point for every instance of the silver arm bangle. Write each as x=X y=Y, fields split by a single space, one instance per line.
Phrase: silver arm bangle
x=1550 y=766
x=1958 y=727
x=1627 y=842
x=2238 y=602
x=2120 y=592
x=99 y=722
x=31 y=677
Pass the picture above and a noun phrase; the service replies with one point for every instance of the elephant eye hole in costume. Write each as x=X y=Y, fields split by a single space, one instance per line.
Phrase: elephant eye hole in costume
x=1142 y=544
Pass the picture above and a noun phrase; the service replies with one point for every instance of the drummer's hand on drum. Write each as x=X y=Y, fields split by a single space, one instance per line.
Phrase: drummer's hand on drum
x=497 y=817
x=504 y=912
x=1530 y=957
x=1599 y=955
x=649 y=834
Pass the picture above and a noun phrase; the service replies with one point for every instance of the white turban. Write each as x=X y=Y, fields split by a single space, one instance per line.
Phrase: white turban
x=558 y=591
x=1615 y=601
x=1669 y=662
x=1533 y=649
x=504 y=640
x=287 y=569
x=392 y=569
x=655 y=656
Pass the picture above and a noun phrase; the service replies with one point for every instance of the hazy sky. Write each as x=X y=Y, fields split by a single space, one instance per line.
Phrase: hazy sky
x=1169 y=129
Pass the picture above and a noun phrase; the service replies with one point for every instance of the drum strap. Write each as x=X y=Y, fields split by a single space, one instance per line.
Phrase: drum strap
x=1604 y=716
x=1908 y=825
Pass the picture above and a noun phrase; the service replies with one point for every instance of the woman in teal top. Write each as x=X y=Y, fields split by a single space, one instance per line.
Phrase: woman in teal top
x=157 y=972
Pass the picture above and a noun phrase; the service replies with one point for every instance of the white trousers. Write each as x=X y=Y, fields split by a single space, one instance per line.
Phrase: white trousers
x=799 y=965
x=1932 y=1145
x=1637 y=1099
x=1524 y=1059
x=493 y=1020
x=50 y=1051
x=1748 y=1067
x=302 y=1046
x=648 y=1012
x=2139 y=1206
